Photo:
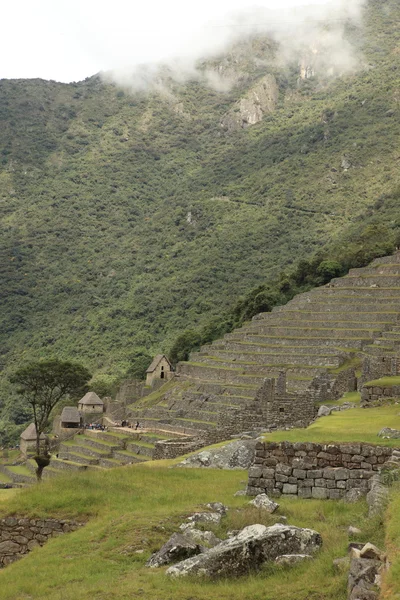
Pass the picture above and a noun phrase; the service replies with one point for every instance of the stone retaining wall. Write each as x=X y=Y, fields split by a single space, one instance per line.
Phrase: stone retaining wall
x=18 y=536
x=173 y=448
x=371 y=396
x=312 y=470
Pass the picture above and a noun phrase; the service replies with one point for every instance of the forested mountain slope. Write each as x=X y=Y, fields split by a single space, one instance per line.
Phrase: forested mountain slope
x=128 y=217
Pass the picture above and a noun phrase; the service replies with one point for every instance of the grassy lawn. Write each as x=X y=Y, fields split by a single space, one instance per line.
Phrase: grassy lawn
x=355 y=425
x=131 y=511
x=390 y=588
x=11 y=456
x=384 y=382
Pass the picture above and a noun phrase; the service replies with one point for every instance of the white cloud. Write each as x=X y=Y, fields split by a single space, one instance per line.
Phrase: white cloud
x=70 y=40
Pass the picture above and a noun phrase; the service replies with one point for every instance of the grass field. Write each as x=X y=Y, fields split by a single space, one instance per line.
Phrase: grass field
x=355 y=425
x=131 y=511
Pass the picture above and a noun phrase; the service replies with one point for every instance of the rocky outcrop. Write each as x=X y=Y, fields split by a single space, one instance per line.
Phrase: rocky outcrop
x=178 y=547
x=259 y=100
x=234 y=455
x=389 y=433
x=248 y=550
x=262 y=501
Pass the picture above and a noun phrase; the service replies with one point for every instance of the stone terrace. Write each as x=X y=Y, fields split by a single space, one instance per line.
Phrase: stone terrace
x=317 y=332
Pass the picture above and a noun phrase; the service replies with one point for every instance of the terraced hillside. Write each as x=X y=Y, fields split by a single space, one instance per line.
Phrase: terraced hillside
x=321 y=332
x=91 y=450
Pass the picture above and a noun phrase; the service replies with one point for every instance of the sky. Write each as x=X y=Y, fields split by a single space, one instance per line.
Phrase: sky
x=69 y=40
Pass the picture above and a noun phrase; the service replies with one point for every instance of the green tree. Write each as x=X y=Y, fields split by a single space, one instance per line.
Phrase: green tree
x=42 y=385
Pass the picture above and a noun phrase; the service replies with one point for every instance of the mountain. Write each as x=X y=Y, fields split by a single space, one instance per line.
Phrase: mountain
x=130 y=216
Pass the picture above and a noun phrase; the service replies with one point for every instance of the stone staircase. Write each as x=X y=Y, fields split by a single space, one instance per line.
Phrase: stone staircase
x=318 y=332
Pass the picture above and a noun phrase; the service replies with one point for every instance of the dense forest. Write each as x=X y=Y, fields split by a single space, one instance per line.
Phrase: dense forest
x=131 y=217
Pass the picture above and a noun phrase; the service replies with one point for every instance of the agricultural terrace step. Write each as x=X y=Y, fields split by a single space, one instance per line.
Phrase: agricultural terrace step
x=272 y=350
x=192 y=412
x=86 y=450
x=126 y=457
x=366 y=281
x=313 y=331
x=107 y=436
x=325 y=296
x=268 y=359
x=211 y=387
x=110 y=463
x=102 y=445
x=219 y=374
x=167 y=427
x=329 y=315
x=142 y=449
x=384 y=260
x=321 y=342
x=295 y=383
x=18 y=474
x=392 y=335
x=388 y=269
x=260 y=369
x=78 y=458
x=59 y=464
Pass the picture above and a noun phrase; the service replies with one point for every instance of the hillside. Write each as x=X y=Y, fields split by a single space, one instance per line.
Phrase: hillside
x=129 y=216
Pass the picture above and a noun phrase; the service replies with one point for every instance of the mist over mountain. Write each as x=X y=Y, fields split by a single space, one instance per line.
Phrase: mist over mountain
x=132 y=212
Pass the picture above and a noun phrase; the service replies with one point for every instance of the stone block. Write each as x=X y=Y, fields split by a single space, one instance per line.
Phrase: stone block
x=335 y=494
x=282 y=478
x=293 y=480
x=299 y=473
x=341 y=485
x=329 y=473
x=314 y=474
x=319 y=493
x=271 y=461
x=330 y=483
x=278 y=485
x=360 y=474
x=305 y=492
x=341 y=474
x=350 y=448
x=255 y=472
x=283 y=469
x=268 y=473
x=320 y=482
x=366 y=466
x=372 y=460
x=306 y=483
x=289 y=488
x=357 y=458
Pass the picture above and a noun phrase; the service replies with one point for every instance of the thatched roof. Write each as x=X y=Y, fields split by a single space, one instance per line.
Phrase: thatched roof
x=30 y=433
x=91 y=398
x=70 y=414
x=156 y=361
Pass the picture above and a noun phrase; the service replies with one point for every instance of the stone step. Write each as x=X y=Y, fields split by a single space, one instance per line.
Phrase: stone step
x=321 y=342
x=263 y=358
x=328 y=315
x=83 y=449
x=110 y=463
x=142 y=449
x=296 y=331
x=383 y=269
x=273 y=349
x=102 y=445
x=261 y=369
x=67 y=465
x=126 y=457
x=107 y=436
x=75 y=457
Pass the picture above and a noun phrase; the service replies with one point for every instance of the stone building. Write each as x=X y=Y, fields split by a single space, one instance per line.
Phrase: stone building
x=91 y=403
x=159 y=369
x=27 y=442
x=70 y=418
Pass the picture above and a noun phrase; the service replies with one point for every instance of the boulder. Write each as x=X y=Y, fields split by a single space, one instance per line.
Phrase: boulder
x=211 y=518
x=371 y=551
x=233 y=455
x=362 y=572
x=354 y=495
x=178 y=547
x=361 y=593
x=217 y=507
x=204 y=538
x=324 y=411
x=377 y=497
x=262 y=501
x=353 y=530
x=387 y=432
x=248 y=550
x=292 y=559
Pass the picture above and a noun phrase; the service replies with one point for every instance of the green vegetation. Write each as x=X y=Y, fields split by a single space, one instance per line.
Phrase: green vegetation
x=125 y=222
x=131 y=511
x=390 y=588
x=384 y=382
x=356 y=425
